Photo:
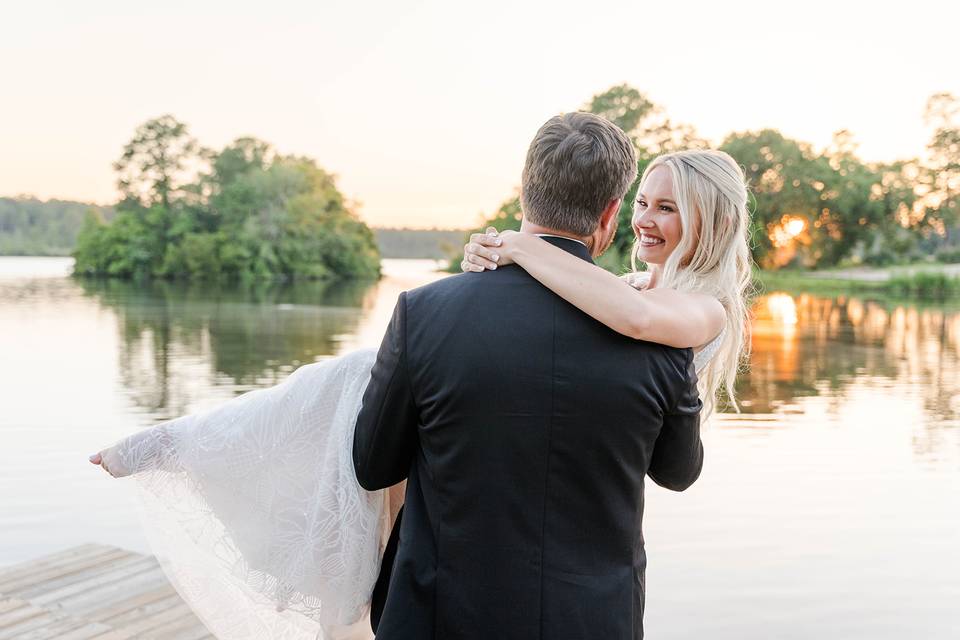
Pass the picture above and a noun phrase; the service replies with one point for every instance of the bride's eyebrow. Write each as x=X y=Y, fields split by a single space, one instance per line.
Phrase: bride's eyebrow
x=667 y=200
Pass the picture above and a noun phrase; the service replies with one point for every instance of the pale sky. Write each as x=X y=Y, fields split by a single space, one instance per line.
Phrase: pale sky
x=425 y=109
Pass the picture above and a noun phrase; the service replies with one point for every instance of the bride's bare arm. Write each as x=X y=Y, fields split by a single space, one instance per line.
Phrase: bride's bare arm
x=659 y=315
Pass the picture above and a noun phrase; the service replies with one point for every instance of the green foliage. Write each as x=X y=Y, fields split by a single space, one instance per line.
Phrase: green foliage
x=948 y=255
x=925 y=284
x=153 y=164
x=32 y=227
x=253 y=215
x=622 y=105
x=850 y=212
x=941 y=178
x=848 y=208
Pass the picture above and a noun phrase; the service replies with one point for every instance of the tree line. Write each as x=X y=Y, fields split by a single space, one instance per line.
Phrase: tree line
x=32 y=227
x=243 y=212
x=809 y=208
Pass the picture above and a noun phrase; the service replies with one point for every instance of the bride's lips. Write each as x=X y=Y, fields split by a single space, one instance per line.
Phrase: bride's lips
x=647 y=240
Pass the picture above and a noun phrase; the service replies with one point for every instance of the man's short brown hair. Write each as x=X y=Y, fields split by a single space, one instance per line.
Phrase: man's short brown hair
x=577 y=163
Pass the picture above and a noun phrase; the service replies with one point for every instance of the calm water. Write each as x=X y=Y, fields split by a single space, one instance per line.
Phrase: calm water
x=828 y=509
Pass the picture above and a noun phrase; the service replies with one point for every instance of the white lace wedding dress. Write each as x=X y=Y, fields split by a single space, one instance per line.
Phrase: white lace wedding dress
x=254 y=511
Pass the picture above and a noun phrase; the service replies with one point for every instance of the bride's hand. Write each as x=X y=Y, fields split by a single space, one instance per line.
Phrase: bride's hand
x=109 y=459
x=639 y=280
x=489 y=250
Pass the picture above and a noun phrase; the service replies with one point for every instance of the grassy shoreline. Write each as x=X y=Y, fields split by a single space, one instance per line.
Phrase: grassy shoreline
x=924 y=281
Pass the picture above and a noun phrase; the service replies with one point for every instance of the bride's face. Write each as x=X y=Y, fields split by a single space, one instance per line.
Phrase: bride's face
x=656 y=217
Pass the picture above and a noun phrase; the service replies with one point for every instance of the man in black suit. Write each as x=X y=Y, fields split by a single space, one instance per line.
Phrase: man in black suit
x=524 y=429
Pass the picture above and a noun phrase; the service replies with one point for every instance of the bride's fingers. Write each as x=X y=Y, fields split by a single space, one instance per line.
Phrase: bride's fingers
x=479 y=262
x=488 y=239
x=465 y=265
x=480 y=255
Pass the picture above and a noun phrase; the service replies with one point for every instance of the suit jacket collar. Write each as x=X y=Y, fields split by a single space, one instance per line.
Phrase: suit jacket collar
x=570 y=246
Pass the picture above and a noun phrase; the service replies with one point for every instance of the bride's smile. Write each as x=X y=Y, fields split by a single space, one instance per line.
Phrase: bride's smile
x=656 y=218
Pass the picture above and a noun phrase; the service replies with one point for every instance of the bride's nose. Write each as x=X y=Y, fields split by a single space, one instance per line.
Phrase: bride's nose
x=642 y=221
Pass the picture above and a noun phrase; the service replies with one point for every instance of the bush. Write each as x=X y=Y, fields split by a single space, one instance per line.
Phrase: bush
x=948 y=255
x=925 y=284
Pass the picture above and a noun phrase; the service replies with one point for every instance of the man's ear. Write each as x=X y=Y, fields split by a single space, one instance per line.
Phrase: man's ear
x=610 y=213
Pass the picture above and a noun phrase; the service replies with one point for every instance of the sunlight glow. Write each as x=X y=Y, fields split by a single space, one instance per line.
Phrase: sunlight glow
x=789 y=228
x=782 y=308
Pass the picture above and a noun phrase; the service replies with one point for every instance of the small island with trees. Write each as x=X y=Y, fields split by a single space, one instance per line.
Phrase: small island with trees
x=244 y=212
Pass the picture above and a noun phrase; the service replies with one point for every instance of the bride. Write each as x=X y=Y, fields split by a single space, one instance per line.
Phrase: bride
x=253 y=507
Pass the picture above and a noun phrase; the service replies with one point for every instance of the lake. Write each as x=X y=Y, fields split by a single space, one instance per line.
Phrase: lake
x=827 y=509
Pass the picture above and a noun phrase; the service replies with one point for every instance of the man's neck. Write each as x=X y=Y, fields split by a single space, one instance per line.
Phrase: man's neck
x=528 y=227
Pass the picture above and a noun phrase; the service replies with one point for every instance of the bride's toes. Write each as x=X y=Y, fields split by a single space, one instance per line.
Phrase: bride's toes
x=114 y=468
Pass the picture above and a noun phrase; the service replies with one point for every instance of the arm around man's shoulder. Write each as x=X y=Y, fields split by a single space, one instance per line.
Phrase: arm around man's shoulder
x=386 y=434
x=678 y=453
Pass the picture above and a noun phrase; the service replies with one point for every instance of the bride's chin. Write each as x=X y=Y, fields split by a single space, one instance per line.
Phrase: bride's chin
x=650 y=257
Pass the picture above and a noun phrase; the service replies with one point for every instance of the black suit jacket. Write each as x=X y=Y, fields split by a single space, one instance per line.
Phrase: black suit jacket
x=524 y=429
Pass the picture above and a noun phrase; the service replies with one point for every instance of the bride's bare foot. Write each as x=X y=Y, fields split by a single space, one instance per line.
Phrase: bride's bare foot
x=109 y=460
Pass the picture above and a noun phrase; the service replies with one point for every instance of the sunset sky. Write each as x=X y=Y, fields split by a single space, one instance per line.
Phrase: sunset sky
x=424 y=109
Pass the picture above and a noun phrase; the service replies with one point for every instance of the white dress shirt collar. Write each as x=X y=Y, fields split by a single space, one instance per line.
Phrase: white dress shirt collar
x=551 y=235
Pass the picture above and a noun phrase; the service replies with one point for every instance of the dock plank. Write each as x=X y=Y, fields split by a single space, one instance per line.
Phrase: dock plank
x=76 y=582
x=109 y=576
x=50 y=573
x=93 y=592
x=18 y=629
x=132 y=605
x=21 y=569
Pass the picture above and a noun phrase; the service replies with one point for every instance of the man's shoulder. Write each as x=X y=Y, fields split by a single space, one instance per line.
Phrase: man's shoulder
x=463 y=284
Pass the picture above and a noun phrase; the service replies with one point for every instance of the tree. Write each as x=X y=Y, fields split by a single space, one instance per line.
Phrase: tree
x=240 y=156
x=152 y=166
x=786 y=186
x=941 y=183
x=622 y=105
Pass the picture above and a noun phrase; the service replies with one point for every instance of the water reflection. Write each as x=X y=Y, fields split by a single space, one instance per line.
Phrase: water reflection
x=176 y=338
x=813 y=354
x=187 y=345
x=182 y=346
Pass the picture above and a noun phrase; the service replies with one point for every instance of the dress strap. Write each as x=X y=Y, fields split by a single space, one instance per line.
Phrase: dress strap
x=702 y=358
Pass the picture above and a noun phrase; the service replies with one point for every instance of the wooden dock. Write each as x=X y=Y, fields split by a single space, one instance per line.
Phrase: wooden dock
x=93 y=591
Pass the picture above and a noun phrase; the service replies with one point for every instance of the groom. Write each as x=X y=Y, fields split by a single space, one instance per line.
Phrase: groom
x=524 y=429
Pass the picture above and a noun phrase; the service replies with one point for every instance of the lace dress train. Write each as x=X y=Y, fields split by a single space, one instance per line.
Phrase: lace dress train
x=254 y=511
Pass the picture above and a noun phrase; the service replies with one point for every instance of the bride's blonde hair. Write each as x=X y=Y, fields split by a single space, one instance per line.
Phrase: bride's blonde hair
x=713 y=255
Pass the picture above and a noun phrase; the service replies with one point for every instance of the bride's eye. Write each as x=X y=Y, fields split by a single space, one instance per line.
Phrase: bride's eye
x=641 y=203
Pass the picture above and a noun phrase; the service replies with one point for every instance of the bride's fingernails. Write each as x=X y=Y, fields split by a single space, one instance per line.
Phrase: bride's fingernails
x=495 y=258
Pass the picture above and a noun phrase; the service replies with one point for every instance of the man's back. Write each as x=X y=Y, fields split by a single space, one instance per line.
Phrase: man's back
x=526 y=428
